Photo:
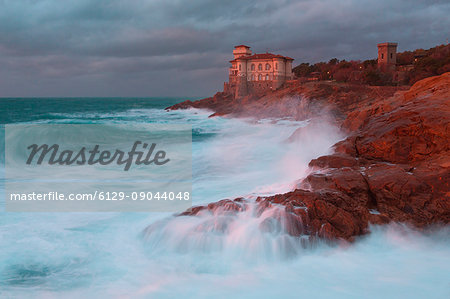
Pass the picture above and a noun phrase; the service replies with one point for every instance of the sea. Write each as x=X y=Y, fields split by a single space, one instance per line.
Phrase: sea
x=160 y=255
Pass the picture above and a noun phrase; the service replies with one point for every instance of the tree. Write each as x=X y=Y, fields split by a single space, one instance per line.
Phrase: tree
x=302 y=70
x=333 y=61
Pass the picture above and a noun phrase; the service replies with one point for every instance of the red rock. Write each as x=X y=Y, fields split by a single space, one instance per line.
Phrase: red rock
x=337 y=160
x=393 y=166
x=297 y=100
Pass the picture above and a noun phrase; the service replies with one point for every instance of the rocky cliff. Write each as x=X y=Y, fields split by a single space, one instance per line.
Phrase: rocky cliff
x=393 y=166
x=296 y=100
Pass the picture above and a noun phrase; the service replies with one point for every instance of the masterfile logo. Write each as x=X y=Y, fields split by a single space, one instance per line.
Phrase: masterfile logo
x=98 y=167
x=95 y=155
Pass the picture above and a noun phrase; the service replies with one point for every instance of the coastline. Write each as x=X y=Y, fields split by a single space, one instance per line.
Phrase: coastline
x=393 y=166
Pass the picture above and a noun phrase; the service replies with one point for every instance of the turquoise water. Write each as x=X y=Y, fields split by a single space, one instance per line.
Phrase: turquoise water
x=156 y=255
x=17 y=110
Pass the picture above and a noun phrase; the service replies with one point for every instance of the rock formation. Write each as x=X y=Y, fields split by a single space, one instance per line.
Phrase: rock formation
x=393 y=166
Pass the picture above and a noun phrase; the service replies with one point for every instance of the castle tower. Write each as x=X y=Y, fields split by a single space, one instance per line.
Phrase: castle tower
x=241 y=87
x=241 y=50
x=279 y=74
x=387 y=56
x=241 y=80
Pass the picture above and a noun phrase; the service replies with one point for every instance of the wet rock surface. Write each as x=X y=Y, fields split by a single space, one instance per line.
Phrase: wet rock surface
x=393 y=166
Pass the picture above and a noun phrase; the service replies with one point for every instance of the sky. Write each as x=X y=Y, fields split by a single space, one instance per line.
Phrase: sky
x=182 y=48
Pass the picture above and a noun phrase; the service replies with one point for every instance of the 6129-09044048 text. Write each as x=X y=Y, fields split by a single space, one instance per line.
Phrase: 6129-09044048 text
x=102 y=195
x=98 y=167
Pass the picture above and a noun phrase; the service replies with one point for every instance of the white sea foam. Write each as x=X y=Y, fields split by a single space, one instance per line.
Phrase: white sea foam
x=244 y=256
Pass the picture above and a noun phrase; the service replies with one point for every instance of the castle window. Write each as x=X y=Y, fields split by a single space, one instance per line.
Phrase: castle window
x=267 y=77
x=239 y=67
x=253 y=66
x=267 y=66
x=391 y=55
x=259 y=77
x=260 y=67
x=276 y=65
x=382 y=55
x=253 y=77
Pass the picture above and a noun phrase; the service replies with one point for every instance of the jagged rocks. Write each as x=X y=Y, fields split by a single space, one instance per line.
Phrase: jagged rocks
x=393 y=166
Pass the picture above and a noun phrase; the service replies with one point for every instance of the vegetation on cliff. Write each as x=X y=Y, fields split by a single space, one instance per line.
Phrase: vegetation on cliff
x=416 y=65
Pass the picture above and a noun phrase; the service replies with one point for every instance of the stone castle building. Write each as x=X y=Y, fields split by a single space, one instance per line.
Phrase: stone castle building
x=253 y=73
x=387 y=62
x=387 y=56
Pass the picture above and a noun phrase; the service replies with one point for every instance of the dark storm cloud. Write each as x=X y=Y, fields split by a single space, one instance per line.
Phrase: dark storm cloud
x=162 y=47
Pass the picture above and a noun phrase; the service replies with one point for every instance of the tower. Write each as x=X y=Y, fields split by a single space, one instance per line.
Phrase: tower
x=387 y=56
x=241 y=50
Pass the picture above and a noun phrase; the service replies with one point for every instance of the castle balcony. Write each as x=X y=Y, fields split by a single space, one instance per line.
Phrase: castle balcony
x=233 y=72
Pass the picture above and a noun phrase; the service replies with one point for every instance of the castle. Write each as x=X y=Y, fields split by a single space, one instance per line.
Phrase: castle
x=387 y=62
x=253 y=73
x=387 y=56
x=257 y=73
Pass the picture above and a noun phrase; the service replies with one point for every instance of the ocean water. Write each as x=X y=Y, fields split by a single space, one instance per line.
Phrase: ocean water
x=157 y=255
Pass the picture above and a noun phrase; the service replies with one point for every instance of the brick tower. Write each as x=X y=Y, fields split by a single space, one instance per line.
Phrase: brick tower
x=387 y=56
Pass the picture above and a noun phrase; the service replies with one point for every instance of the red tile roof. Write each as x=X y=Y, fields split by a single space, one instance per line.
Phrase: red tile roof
x=242 y=46
x=263 y=56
